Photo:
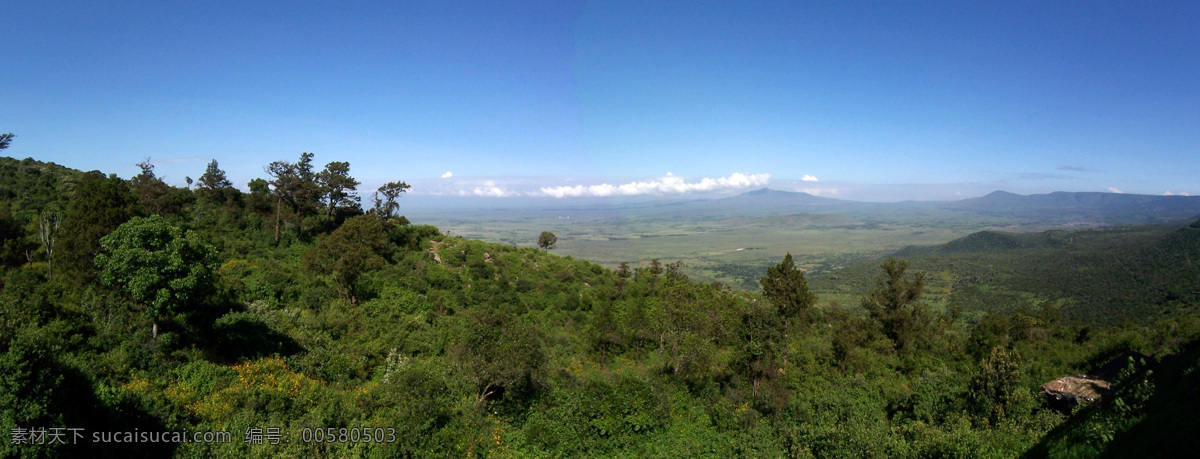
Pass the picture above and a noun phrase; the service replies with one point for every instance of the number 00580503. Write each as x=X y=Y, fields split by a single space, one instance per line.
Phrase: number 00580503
x=348 y=435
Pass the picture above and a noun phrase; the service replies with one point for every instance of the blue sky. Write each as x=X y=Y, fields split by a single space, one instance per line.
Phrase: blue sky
x=875 y=100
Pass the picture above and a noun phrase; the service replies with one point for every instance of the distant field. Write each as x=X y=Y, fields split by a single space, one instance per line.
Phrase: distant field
x=735 y=251
x=734 y=240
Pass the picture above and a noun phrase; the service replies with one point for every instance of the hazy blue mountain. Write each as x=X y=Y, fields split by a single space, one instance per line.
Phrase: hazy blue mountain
x=775 y=196
x=1086 y=207
x=1065 y=208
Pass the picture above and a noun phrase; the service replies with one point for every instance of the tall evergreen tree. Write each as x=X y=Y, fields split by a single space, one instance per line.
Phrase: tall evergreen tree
x=154 y=194
x=294 y=184
x=214 y=177
x=785 y=286
x=284 y=185
x=213 y=186
x=386 y=206
x=623 y=275
x=338 y=188
x=98 y=206
x=307 y=200
x=894 y=302
x=655 y=270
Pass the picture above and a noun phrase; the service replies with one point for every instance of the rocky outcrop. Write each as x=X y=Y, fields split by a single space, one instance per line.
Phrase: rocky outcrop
x=1076 y=389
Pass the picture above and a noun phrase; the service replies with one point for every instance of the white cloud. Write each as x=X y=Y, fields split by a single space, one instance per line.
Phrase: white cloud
x=489 y=189
x=1114 y=190
x=1181 y=193
x=447 y=175
x=495 y=192
x=668 y=184
x=808 y=178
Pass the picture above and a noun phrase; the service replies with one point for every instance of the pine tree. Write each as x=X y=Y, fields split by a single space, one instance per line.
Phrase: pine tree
x=213 y=186
x=214 y=178
x=623 y=275
x=154 y=194
x=386 y=206
x=785 y=286
x=98 y=206
x=338 y=188
x=894 y=303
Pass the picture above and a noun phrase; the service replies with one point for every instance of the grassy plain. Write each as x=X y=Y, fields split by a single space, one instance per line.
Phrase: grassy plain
x=994 y=254
x=730 y=249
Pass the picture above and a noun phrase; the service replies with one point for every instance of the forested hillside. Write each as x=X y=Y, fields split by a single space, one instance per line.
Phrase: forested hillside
x=1101 y=275
x=298 y=309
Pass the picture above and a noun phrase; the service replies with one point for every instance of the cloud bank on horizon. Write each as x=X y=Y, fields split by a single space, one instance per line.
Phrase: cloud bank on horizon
x=669 y=184
x=489 y=189
x=673 y=185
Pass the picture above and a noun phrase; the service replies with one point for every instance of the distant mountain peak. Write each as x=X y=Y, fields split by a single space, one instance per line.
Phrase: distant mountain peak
x=1001 y=193
x=757 y=192
x=767 y=193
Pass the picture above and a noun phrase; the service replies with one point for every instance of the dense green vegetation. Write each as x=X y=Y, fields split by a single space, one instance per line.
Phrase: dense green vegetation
x=291 y=307
x=1101 y=275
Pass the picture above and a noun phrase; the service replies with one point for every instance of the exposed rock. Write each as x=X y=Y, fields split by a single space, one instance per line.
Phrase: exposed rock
x=1075 y=389
x=433 y=248
x=1064 y=393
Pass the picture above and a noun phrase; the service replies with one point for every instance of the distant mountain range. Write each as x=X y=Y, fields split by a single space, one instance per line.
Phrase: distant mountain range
x=1083 y=208
x=783 y=196
x=1111 y=208
x=1003 y=200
